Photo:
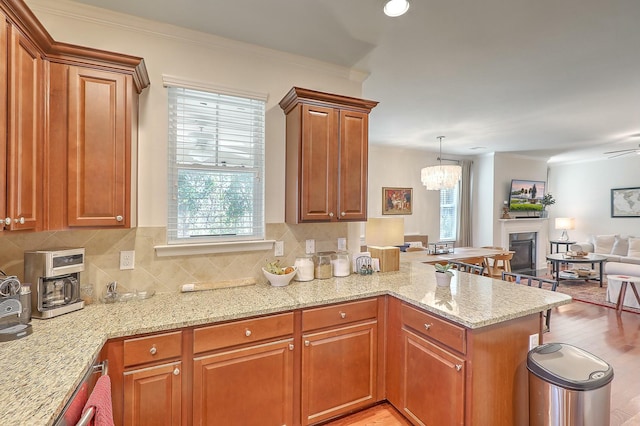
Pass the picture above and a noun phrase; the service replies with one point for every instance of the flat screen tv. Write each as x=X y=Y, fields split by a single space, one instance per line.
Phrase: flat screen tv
x=526 y=195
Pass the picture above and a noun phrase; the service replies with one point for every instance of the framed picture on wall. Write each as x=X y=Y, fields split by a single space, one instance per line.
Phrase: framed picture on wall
x=397 y=200
x=625 y=202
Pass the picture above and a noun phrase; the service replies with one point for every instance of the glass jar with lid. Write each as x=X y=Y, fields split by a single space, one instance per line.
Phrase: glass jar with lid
x=323 y=265
x=306 y=268
x=341 y=264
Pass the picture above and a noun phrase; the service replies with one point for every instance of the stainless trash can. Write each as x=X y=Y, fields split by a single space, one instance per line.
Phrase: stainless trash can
x=568 y=387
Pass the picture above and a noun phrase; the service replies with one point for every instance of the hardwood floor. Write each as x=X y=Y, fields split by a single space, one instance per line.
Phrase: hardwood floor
x=596 y=329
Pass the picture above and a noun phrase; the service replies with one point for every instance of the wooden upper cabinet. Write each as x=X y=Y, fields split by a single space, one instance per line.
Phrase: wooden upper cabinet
x=99 y=178
x=4 y=77
x=326 y=158
x=24 y=141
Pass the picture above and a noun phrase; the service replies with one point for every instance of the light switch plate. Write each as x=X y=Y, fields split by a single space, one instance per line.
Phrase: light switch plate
x=534 y=341
x=310 y=247
x=342 y=244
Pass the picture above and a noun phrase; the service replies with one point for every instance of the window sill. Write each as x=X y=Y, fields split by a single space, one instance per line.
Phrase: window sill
x=212 y=248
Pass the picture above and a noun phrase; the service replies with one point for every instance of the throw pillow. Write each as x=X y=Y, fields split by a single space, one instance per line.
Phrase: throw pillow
x=620 y=246
x=634 y=247
x=604 y=243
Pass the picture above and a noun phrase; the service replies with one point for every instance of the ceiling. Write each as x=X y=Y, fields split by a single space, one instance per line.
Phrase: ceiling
x=549 y=78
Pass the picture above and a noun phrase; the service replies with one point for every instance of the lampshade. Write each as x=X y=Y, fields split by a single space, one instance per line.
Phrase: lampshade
x=435 y=178
x=565 y=223
x=385 y=231
x=394 y=8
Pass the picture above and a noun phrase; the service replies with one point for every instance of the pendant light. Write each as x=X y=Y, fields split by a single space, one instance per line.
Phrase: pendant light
x=435 y=178
x=395 y=8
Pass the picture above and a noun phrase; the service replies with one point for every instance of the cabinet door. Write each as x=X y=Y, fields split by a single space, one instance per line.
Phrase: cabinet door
x=339 y=371
x=99 y=175
x=4 y=78
x=24 y=144
x=152 y=396
x=248 y=386
x=433 y=383
x=319 y=163
x=353 y=160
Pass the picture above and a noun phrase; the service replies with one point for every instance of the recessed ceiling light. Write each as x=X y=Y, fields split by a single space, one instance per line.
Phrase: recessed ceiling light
x=396 y=8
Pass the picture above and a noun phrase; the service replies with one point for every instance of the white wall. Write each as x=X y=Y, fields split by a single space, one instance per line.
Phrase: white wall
x=194 y=56
x=483 y=217
x=399 y=167
x=583 y=191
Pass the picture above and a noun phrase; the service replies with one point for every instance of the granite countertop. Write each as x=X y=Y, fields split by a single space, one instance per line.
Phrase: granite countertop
x=41 y=371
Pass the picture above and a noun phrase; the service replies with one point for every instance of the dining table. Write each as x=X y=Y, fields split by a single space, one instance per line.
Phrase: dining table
x=458 y=253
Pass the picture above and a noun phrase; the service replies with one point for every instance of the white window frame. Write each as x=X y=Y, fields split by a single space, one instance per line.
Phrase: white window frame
x=451 y=234
x=213 y=244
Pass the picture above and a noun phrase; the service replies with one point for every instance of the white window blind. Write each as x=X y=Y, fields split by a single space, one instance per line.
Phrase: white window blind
x=216 y=166
x=449 y=213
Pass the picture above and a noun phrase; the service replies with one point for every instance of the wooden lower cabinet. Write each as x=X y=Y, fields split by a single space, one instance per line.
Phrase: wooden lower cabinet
x=434 y=383
x=153 y=395
x=247 y=386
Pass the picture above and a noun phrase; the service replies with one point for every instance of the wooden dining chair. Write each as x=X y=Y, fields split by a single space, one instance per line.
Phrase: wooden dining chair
x=499 y=263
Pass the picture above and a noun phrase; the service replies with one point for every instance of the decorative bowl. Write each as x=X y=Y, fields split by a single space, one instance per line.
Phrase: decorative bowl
x=279 y=280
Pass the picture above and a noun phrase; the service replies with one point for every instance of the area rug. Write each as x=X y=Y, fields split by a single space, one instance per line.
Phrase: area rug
x=589 y=292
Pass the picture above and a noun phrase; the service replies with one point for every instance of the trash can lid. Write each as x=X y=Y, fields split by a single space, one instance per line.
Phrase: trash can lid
x=569 y=367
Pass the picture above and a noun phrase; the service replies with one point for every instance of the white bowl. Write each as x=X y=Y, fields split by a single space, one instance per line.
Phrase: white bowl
x=279 y=280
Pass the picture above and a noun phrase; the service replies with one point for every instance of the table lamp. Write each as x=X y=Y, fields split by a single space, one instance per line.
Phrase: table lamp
x=381 y=235
x=565 y=223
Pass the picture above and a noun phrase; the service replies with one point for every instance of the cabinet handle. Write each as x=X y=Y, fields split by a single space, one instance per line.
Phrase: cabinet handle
x=458 y=367
x=343 y=214
x=153 y=350
x=247 y=332
x=119 y=218
x=290 y=346
x=19 y=220
x=331 y=214
x=427 y=326
x=307 y=343
x=7 y=221
x=176 y=371
x=343 y=315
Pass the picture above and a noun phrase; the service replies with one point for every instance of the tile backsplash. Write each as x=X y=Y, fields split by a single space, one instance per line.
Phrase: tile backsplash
x=162 y=274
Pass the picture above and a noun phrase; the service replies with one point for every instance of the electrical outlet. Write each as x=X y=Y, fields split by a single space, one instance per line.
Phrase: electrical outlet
x=534 y=341
x=278 y=248
x=342 y=244
x=310 y=247
x=127 y=259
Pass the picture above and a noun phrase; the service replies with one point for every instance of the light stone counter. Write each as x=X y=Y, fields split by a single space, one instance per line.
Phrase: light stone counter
x=40 y=372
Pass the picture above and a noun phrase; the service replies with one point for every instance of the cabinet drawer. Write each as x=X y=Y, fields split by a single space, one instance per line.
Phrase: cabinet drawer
x=435 y=328
x=240 y=332
x=152 y=348
x=343 y=313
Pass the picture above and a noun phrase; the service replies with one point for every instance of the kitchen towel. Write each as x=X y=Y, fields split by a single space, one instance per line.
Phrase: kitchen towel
x=100 y=401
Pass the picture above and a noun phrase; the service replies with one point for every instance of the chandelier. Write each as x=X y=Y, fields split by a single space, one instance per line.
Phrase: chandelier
x=435 y=178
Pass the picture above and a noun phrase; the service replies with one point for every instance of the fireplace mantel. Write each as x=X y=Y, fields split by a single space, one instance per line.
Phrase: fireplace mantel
x=535 y=224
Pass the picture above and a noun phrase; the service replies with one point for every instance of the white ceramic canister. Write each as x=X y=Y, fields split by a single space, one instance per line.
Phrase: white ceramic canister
x=341 y=264
x=305 y=267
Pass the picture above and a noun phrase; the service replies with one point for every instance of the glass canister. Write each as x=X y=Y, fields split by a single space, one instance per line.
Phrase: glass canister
x=341 y=264
x=323 y=265
x=305 y=267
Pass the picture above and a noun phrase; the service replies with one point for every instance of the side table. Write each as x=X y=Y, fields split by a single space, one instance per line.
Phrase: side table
x=626 y=279
x=557 y=244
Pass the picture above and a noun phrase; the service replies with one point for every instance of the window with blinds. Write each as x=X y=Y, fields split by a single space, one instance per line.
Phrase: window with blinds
x=449 y=213
x=216 y=166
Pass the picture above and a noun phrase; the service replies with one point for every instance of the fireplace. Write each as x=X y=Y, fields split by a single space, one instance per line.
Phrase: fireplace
x=523 y=244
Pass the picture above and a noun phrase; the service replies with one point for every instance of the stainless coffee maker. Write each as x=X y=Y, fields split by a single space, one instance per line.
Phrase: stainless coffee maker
x=15 y=308
x=55 y=278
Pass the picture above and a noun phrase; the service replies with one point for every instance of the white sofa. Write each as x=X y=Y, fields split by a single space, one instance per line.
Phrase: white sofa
x=613 y=286
x=623 y=249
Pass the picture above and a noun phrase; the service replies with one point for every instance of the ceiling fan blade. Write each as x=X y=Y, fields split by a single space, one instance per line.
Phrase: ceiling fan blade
x=632 y=151
x=621 y=150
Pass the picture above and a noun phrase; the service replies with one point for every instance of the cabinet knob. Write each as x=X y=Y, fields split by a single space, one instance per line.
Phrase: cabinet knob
x=343 y=214
x=331 y=214
x=19 y=220
x=176 y=371
x=458 y=367
x=153 y=350
x=119 y=218
x=427 y=326
x=307 y=343
x=7 y=221
x=290 y=346
x=247 y=332
x=343 y=315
